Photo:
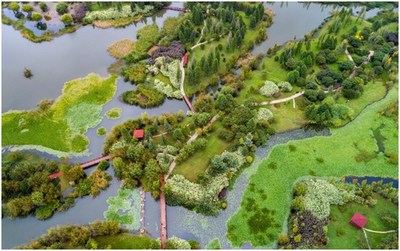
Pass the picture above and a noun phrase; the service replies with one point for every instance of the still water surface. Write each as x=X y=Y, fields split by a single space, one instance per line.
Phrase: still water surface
x=75 y=55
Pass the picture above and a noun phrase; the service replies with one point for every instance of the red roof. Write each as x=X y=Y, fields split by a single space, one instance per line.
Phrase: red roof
x=358 y=220
x=55 y=175
x=139 y=134
x=185 y=58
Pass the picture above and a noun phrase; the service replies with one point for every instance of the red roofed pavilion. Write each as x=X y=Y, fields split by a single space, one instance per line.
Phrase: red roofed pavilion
x=358 y=220
x=139 y=134
x=185 y=59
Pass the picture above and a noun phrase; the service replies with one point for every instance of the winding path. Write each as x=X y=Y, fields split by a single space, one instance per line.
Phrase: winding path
x=277 y=101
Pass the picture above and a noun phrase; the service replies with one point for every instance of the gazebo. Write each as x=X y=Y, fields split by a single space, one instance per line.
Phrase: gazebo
x=139 y=134
x=358 y=220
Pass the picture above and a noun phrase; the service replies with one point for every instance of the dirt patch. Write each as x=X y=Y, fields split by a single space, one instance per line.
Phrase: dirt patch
x=245 y=60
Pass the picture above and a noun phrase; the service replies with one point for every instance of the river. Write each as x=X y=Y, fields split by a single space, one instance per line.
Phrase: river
x=78 y=54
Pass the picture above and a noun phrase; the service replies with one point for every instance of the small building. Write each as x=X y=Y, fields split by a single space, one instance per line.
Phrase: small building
x=139 y=134
x=358 y=220
x=185 y=59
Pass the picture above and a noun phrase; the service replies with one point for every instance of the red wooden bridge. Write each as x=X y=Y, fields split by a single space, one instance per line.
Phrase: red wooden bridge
x=163 y=216
x=84 y=165
x=188 y=103
x=174 y=8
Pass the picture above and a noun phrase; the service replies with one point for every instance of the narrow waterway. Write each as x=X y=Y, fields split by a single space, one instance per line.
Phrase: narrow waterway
x=78 y=54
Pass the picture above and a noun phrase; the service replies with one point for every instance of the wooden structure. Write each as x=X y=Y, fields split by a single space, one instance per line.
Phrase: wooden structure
x=163 y=216
x=185 y=59
x=84 y=165
x=139 y=133
x=188 y=103
x=358 y=220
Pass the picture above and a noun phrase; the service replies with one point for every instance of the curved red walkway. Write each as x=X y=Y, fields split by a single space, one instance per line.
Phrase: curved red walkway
x=84 y=165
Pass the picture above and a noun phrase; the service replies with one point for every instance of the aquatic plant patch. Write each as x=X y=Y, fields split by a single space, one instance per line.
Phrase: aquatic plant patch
x=101 y=131
x=144 y=96
x=61 y=127
x=125 y=208
x=337 y=162
x=114 y=113
x=114 y=13
x=120 y=48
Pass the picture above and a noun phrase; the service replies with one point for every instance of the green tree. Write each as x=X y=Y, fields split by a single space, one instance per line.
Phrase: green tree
x=14 y=6
x=74 y=173
x=37 y=198
x=27 y=7
x=36 y=16
x=62 y=8
x=43 y=6
x=66 y=19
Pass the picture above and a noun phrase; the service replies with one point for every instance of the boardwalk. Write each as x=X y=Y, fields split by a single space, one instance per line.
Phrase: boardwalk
x=142 y=205
x=84 y=165
x=182 y=89
x=282 y=100
x=163 y=216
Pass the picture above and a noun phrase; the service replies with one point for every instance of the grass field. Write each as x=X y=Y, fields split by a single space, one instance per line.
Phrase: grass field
x=334 y=156
x=125 y=241
x=344 y=236
x=198 y=163
x=62 y=125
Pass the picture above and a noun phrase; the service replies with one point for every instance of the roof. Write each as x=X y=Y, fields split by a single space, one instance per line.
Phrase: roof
x=55 y=175
x=358 y=220
x=185 y=58
x=139 y=134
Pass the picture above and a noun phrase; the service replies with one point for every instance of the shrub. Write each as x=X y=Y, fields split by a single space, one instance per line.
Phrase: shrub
x=27 y=7
x=264 y=114
x=103 y=165
x=297 y=238
x=269 y=89
x=14 y=6
x=283 y=239
x=136 y=74
x=144 y=96
x=66 y=19
x=285 y=86
x=177 y=243
x=36 y=16
x=43 y=6
x=62 y=8
x=101 y=131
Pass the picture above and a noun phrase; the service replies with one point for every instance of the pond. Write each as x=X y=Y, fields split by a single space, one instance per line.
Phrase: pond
x=78 y=54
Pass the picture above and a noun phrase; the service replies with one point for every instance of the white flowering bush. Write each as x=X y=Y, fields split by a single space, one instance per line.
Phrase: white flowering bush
x=264 y=114
x=177 y=243
x=285 y=86
x=200 y=197
x=167 y=89
x=114 y=13
x=164 y=160
x=269 y=88
x=169 y=69
x=321 y=195
x=168 y=149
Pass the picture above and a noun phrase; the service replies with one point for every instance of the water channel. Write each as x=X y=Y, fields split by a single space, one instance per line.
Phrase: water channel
x=78 y=54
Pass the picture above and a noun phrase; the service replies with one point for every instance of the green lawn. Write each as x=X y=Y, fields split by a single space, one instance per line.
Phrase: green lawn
x=61 y=127
x=286 y=117
x=125 y=241
x=342 y=235
x=334 y=156
x=198 y=163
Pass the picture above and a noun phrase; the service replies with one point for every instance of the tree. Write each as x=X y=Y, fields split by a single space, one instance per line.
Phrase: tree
x=351 y=89
x=14 y=6
x=43 y=6
x=66 y=19
x=62 y=8
x=37 y=198
x=177 y=134
x=36 y=16
x=75 y=173
x=27 y=7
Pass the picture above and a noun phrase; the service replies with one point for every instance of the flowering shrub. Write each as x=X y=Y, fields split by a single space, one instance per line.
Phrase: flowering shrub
x=202 y=198
x=227 y=160
x=264 y=114
x=285 y=86
x=168 y=68
x=175 y=50
x=321 y=194
x=168 y=149
x=167 y=89
x=177 y=243
x=269 y=89
x=113 y=13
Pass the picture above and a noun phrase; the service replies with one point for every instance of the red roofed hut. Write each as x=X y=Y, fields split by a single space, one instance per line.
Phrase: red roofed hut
x=185 y=59
x=139 y=134
x=358 y=220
